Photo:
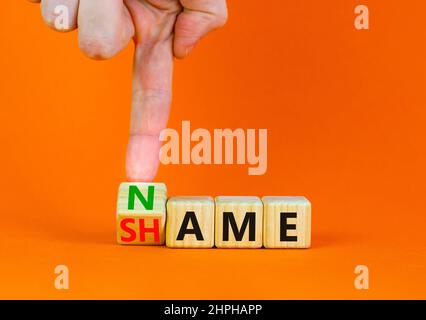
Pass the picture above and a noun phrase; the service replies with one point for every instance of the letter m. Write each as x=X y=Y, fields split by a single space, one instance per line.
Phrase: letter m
x=249 y=219
x=148 y=202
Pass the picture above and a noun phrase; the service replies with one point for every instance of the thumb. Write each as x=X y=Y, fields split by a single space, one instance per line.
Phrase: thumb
x=197 y=19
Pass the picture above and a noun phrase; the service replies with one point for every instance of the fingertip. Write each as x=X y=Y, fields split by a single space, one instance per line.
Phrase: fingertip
x=98 y=48
x=105 y=28
x=142 y=158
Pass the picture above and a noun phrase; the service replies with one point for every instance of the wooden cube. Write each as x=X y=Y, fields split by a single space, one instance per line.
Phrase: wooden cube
x=141 y=213
x=190 y=222
x=238 y=222
x=287 y=222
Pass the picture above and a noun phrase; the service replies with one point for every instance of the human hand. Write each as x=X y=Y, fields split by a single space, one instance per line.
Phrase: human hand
x=161 y=30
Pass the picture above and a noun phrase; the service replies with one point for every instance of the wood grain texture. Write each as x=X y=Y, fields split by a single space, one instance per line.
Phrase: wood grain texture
x=141 y=217
x=287 y=222
x=190 y=222
x=238 y=222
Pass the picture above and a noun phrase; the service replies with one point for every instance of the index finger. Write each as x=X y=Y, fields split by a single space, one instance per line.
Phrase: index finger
x=151 y=98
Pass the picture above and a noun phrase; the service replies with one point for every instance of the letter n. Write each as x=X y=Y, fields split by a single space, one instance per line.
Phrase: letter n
x=148 y=202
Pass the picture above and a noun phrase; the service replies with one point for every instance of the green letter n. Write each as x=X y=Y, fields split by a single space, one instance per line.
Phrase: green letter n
x=148 y=204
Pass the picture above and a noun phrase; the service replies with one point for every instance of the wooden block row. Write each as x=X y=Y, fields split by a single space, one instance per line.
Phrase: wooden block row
x=146 y=217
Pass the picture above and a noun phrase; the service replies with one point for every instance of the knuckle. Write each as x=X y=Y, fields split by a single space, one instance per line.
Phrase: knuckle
x=155 y=104
x=153 y=99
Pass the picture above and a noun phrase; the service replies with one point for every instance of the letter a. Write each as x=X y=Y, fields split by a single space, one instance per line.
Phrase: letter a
x=62 y=280
x=361 y=281
x=62 y=20
x=362 y=21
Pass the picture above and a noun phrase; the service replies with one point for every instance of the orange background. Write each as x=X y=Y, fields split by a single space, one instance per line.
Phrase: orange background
x=345 y=112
